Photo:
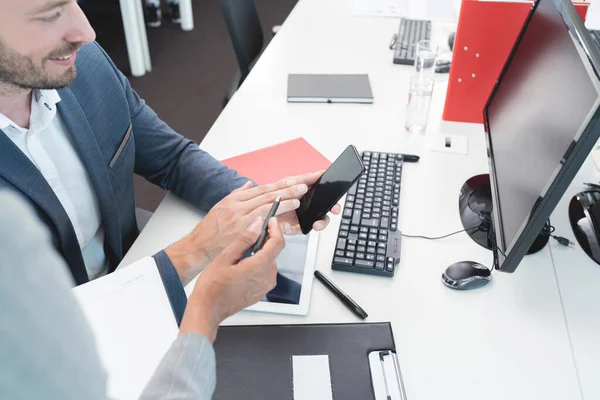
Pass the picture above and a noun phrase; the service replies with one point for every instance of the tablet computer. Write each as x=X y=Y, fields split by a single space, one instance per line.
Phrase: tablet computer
x=295 y=268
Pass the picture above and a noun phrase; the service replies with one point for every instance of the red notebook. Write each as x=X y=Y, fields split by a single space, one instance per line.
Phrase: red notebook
x=273 y=163
x=486 y=33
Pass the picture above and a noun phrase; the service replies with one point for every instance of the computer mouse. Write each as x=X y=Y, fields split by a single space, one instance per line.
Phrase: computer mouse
x=466 y=275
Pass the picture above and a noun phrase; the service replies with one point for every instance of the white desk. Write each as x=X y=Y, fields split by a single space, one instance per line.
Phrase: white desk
x=506 y=340
x=579 y=283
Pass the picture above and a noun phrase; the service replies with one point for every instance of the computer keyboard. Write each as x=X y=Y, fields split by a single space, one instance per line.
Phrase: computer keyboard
x=368 y=239
x=410 y=32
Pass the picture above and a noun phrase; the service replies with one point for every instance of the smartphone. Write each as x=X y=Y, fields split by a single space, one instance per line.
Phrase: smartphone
x=329 y=189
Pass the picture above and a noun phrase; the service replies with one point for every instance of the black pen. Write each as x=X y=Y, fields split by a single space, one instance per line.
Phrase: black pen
x=411 y=158
x=265 y=228
x=351 y=304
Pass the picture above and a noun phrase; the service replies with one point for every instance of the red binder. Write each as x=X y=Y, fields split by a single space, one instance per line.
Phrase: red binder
x=273 y=163
x=486 y=33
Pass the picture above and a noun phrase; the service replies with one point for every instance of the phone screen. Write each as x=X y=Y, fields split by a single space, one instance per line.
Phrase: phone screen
x=327 y=191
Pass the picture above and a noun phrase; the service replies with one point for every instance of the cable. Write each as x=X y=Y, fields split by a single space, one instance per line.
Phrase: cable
x=442 y=237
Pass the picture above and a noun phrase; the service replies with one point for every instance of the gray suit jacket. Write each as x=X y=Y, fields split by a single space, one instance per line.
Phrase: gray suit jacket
x=47 y=349
x=116 y=135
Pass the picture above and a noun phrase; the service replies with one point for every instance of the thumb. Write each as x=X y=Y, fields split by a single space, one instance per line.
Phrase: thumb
x=242 y=242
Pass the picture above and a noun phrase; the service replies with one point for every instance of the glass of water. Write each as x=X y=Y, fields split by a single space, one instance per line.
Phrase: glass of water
x=425 y=57
x=419 y=102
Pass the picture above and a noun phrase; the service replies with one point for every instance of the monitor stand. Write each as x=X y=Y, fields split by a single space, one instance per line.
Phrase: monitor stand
x=475 y=207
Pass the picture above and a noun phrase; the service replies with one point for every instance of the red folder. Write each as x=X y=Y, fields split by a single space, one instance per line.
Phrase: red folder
x=273 y=163
x=486 y=33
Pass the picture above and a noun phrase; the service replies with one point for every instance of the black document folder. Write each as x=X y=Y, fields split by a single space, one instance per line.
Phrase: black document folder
x=255 y=362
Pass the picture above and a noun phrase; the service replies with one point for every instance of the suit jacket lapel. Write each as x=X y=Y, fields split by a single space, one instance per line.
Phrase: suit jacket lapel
x=17 y=169
x=91 y=156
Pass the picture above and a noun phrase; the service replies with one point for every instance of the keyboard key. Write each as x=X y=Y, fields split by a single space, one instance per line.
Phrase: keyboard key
x=351 y=242
x=343 y=234
x=374 y=231
x=372 y=236
x=395 y=202
x=356 y=217
x=370 y=257
x=363 y=236
x=343 y=261
x=372 y=222
x=339 y=253
x=382 y=238
x=362 y=242
x=361 y=249
x=381 y=250
x=364 y=264
x=389 y=268
x=351 y=247
x=393 y=227
x=347 y=213
x=349 y=254
x=381 y=258
x=379 y=266
x=364 y=229
x=394 y=220
x=366 y=215
x=384 y=223
x=341 y=244
x=350 y=198
x=349 y=204
x=375 y=214
x=353 y=228
x=353 y=237
x=372 y=243
x=371 y=250
x=360 y=256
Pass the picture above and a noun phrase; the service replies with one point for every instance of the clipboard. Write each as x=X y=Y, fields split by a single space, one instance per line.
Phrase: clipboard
x=386 y=375
x=256 y=362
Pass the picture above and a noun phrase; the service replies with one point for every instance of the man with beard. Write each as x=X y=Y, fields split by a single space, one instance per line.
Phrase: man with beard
x=73 y=133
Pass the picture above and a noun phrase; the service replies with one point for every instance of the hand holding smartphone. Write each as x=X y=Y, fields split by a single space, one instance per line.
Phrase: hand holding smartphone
x=330 y=188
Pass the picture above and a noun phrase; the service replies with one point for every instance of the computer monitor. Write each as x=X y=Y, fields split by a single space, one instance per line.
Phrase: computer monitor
x=541 y=123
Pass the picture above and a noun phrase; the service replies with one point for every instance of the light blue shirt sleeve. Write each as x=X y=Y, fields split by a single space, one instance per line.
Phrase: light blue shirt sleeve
x=47 y=349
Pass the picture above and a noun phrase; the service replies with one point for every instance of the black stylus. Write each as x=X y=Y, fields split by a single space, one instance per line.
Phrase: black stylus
x=410 y=157
x=351 y=304
x=265 y=228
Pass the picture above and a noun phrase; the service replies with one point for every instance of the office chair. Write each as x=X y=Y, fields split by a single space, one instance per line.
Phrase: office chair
x=246 y=35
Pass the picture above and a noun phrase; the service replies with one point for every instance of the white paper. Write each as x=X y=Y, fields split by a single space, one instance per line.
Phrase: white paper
x=432 y=10
x=133 y=324
x=312 y=379
x=378 y=8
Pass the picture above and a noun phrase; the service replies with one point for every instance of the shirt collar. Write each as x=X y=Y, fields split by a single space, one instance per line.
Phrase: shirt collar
x=43 y=103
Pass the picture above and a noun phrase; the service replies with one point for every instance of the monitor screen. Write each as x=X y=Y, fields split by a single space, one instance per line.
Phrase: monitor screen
x=540 y=111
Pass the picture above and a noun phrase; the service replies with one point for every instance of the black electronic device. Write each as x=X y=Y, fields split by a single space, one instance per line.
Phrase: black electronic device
x=465 y=275
x=584 y=215
x=410 y=32
x=368 y=238
x=330 y=188
x=541 y=123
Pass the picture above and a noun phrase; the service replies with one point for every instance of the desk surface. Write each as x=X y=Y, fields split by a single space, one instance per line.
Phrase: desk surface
x=506 y=340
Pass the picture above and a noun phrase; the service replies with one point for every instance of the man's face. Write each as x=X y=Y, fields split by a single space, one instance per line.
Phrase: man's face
x=38 y=42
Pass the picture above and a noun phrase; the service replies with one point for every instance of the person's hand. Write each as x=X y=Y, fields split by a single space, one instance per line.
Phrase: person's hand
x=229 y=285
x=235 y=212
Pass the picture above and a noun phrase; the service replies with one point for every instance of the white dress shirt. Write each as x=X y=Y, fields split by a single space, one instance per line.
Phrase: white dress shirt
x=49 y=146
